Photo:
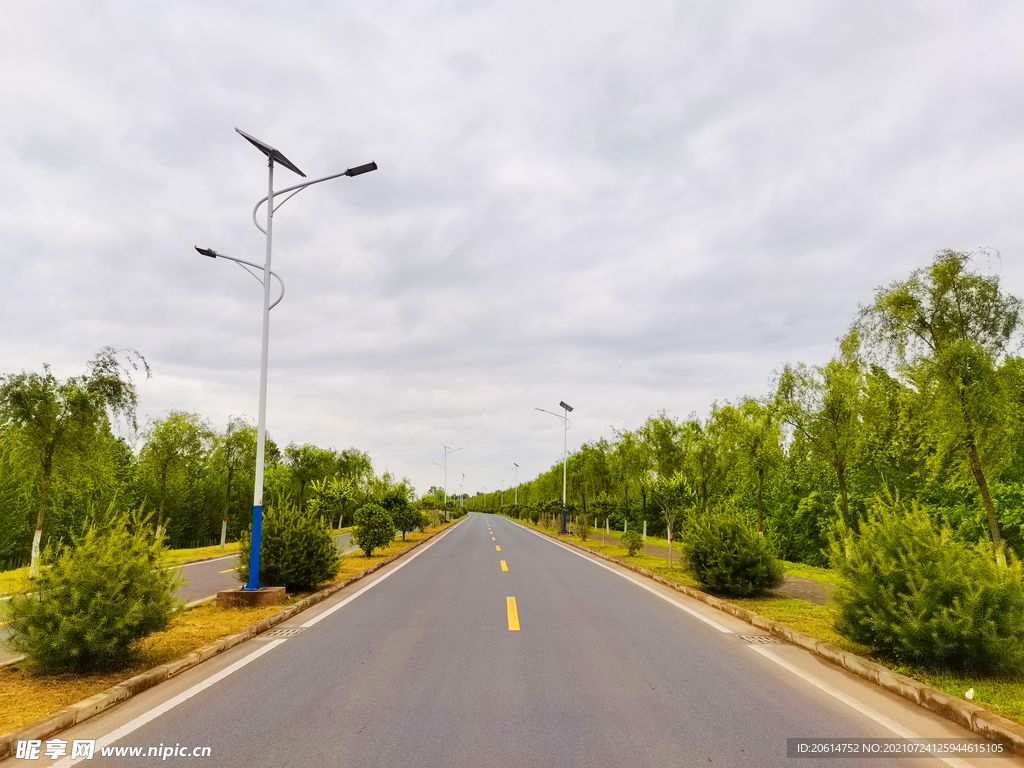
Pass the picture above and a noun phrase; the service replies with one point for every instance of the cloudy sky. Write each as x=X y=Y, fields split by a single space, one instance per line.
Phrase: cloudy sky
x=627 y=206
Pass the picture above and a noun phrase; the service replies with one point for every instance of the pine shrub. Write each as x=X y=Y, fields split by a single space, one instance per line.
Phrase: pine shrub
x=726 y=555
x=109 y=588
x=632 y=541
x=913 y=593
x=297 y=548
x=374 y=528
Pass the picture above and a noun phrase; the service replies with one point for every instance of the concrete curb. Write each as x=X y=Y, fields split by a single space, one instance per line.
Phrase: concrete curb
x=965 y=713
x=99 y=702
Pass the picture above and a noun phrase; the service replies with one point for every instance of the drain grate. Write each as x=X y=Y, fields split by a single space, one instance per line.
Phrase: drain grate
x=283 y=632
x=761 y=639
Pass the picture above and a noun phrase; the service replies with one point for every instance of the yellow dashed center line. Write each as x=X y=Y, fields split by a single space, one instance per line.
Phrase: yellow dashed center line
x=513 y=614
x=503 y=566
x=493 y=539
x=229 y=570
x=497 y=547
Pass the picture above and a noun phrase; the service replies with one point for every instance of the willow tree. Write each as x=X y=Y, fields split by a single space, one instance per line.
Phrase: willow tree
x=176 y=448
x=823 y=405
x=948 y=328
x=58 y=419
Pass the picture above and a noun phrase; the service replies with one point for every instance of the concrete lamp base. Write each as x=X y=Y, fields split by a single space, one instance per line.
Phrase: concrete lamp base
x=250 y=598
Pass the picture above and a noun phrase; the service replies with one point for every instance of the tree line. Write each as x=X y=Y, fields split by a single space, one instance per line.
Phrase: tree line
x=62 y=465
x=923 y=402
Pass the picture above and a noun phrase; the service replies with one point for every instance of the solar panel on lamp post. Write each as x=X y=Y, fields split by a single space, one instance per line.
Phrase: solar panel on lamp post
x=273 y=156
x=565 y=457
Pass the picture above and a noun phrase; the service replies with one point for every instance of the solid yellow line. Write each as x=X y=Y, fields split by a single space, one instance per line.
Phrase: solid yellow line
x=497 y=547
x=229 y=570
x=513 y=615
x=503 y=566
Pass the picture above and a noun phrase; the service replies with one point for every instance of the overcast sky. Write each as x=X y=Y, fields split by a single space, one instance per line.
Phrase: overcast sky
x=629 y=206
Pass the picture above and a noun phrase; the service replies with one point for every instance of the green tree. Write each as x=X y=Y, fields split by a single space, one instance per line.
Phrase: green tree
x=56 y=418
x=948 y=328
x=308 y=463
x=297 y=548
x=235 y=452
x=823 y=406
x=374 y=528
x=101 y=595
x=759 y=444
x=175 y=450
x=672 y=495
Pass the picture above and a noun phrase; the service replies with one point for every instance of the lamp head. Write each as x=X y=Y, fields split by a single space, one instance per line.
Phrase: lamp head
x=207 y=252
x=361 y=169
x=565 y=405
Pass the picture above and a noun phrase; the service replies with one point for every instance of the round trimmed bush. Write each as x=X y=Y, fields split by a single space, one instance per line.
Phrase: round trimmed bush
x=632 y=541
x=297 y=548
x=726 y=555
x=100 y=595
x=913 y=593
x=374 y=528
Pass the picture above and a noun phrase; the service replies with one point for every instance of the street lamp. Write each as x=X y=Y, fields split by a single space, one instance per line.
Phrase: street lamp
x=515 y=468
x=273 y=156
x=565 y=455
x=445 y=465
x=462 y=487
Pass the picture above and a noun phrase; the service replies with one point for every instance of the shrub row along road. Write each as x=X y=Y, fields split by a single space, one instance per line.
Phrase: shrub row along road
x=494 y=646
x=203 y=580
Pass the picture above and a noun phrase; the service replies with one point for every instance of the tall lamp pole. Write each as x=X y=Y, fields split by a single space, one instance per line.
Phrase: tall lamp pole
x=445 y=465
x=273 y=156
x=515 y=468
x=565 y=455
x=462 y=486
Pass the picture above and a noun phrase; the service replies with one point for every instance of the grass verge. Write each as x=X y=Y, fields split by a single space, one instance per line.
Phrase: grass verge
x=1001 y=693
x=27 y=695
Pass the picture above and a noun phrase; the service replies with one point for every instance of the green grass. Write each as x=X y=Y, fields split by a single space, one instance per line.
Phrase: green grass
x=805 y=571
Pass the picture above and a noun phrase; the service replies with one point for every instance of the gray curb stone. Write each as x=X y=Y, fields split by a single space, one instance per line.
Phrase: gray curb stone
x=83 y=710
x=965 y=713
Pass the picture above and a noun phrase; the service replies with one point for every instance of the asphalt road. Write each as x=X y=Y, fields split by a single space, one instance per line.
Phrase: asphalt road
x=448 y=659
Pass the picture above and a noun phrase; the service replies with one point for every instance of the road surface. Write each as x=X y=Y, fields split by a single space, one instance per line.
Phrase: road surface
x=494 y=646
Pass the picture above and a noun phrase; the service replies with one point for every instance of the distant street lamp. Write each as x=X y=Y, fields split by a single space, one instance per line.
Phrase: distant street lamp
x=565 y=455
x=273 y=156
x=462 y=486
x=445 y=465
x=515 y=468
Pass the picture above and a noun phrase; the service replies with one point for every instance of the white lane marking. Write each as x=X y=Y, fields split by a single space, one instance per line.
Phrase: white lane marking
x=352 y=597
x=141 y=720
x=194 y=603
x=204 y=562
x=864 y=709
x=666 y=598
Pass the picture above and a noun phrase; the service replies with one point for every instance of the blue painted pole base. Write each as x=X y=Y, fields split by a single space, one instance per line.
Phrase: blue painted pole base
x=254 y=549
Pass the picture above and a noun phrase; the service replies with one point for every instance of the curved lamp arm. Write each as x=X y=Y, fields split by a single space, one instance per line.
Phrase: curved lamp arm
x=242 y=262
x=557 y=416
x=358 y=170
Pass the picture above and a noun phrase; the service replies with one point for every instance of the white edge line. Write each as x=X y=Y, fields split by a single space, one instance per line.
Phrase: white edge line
x=204 y=562
x=864 y=709
x=668 y=599
x=141 y=720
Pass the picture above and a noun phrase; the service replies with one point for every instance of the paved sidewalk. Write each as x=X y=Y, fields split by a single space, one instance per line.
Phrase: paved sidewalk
x=793 y=587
